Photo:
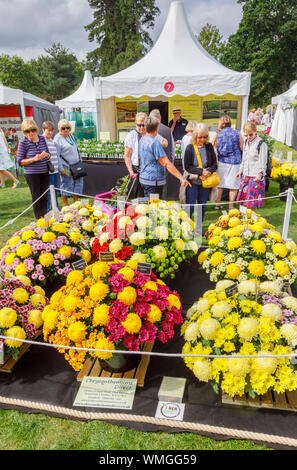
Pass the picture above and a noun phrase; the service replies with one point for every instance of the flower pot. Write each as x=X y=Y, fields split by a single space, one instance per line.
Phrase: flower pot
x=282 y=188
x=120 y=362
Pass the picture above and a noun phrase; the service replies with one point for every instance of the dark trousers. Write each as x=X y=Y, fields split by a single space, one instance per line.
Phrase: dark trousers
x=152 y=190
x=38 y=184
x=134 y=187
x=197 y=195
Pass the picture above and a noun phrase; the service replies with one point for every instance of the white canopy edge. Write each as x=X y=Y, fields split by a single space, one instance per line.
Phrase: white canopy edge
x=84 y=97
x=287 y=96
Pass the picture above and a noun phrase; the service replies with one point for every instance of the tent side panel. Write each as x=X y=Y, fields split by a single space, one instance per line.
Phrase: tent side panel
x=108 y=117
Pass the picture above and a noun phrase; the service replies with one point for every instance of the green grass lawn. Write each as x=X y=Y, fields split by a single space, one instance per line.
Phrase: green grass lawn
x=21 y=431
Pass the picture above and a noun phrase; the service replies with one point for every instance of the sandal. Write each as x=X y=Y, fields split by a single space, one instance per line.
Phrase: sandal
x=16 y=184
x=218 y=207
x=2 y=185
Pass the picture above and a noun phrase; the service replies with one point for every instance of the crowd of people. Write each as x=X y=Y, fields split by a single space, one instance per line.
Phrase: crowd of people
x=237 y=161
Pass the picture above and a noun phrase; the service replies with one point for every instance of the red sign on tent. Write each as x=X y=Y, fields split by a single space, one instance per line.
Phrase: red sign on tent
x=169 y=87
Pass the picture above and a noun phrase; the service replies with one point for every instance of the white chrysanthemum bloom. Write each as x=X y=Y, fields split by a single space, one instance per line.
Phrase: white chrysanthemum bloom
x=161 y=232
x=68 y=217
x=221 y=309
x=193 y=246
x=242 y=277
x=202 y=305
x=91 y=241
x=223 y=285
x=123 y=221
x=142 y=209
x=191 y=311
x=272 y=311
x=97 y=213
x=268 y=364
x=191 y=332
x=159 y=252
x=143 y=222
x=203 y=370
x=272 y=288
x=239 y=366
x=289 y=332
x=104 y=237
x=209 y=328
x=179 y=244
x=140 y=257
x=137 y=238
x=248 y=328
x=213 y=277
x=65 y=209
x=76 y=205
x=290 y=302
x=98 y=229
x=247 y=287
x=116 y=245
x=84 y=212
x=88 y=226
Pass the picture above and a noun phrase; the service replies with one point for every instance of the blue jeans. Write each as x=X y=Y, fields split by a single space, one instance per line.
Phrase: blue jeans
x=197 y=195
x=53 y=180
x=152 y=190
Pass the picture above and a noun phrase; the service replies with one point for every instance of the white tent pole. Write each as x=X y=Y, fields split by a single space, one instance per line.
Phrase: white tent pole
x=244 y=112
x=53 y=198
x=287 y=213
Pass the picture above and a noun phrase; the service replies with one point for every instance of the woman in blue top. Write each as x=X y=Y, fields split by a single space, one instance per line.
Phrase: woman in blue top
x=154 y=162
x=229 y=145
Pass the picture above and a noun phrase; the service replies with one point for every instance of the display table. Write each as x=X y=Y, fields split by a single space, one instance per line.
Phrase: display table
x=102 y=175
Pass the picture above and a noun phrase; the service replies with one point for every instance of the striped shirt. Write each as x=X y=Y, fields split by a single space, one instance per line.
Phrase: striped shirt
x=28 y=149
x=54 y=156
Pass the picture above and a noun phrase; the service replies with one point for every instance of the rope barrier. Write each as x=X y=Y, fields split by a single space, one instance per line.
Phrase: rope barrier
x=177 y=355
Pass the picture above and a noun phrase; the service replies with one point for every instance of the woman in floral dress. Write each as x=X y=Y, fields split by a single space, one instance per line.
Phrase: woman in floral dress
x=252 y=170
x=5 y=162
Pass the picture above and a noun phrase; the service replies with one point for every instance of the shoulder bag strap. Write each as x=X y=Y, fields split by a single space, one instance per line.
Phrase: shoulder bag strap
x=198 y=156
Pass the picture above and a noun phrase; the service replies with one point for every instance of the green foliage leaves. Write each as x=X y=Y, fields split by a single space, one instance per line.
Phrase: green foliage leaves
x=211 y=40
x=15 y=73
x=118 y=29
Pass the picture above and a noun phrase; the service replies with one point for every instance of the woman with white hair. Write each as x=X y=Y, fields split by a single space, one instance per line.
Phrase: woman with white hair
x=186 y=140
x=68 y=153
x=200 y=159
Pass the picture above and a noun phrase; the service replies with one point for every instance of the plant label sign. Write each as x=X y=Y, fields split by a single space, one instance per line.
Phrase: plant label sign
x=143 y=200
x=254 y=217
x=80 y=264
x=154 y=197
x=144 y=268
x=106 y=256
x=170 y=410
x=231 y=290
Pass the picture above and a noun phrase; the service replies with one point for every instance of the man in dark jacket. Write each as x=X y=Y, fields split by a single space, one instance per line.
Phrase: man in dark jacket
x=165 y=132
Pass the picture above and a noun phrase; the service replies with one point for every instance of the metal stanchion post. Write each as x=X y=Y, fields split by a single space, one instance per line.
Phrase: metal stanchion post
x=55 y=209
x=286 y=224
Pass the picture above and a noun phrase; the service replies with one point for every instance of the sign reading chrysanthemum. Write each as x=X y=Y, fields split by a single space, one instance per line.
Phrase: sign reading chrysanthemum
x=110 y=306
x=259 y=321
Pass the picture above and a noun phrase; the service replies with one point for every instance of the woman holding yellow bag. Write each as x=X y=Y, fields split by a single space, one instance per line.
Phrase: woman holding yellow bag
x=200 y=161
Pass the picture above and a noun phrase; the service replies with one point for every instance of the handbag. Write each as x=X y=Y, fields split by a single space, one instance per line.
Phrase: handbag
x=77 y=170
x=211 y=181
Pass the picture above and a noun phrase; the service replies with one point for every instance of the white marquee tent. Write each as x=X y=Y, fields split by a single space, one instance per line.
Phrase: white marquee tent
x=176 y=58
x=84 y=97
x=284 y=126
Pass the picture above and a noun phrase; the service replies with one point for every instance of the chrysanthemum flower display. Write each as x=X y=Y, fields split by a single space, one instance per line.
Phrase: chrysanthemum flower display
x=21 y=307
x=159 y=233
x=43 y=252
x=110 y=306
x=249 y=250
x=285 y=173
x=254 y=322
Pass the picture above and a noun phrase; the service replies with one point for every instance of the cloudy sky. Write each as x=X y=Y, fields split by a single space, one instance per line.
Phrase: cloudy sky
x=30 y=26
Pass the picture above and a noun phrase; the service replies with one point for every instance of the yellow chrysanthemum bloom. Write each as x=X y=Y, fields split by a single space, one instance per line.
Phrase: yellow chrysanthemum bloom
x=41 y=222
x=179 y=244
x=48 y=237
x=103 y=343
x=217 y=258
x=20 y=270
x=150 y=285
x=77 y=332
x=100 y=269
x=140 y=257
x=35 y=317
x=14 y=240
x=35 y=299
x=258 y=246
x=256 y=268
x=233 y=384
x=234 y=212
x=8 y=317
x=20 y=295
x=70 y=303
x=116 y=245
x=239 y=366
x=98 y=291
x=9 y=259
x=257 y=228
x=50 y=320
x=217 y=231
x=24 y=250
x=28 y=234
x=234 y=221
x=25 y=280
x=282 y=268
x=203 y=370
x=248 y=328
x=214 y=241
x=132 y=263
x=86 y=255
x=128 y=295
x=159 y=252
x=173 y=301
x=133 y=323
x=128 y=273
x=202 y=257
x=268 y=364
x=233 y=271
x=272 y=311
x=74 y=276
x=155 y=314
x=209 y=328
x=46 y=259
x=221 y=309
x=280 y=249
x=289 y=332
x=101 y=315
x=234 y=243
x=75 y=237
x=275 y=236
x=65 y=250
x=15 y=332
x=60 y=227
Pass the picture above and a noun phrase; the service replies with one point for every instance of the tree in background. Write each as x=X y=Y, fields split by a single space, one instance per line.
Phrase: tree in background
x=120 y=30
x=16 y=73
x=265 y=44
x=211 y=40
x=60 y=72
